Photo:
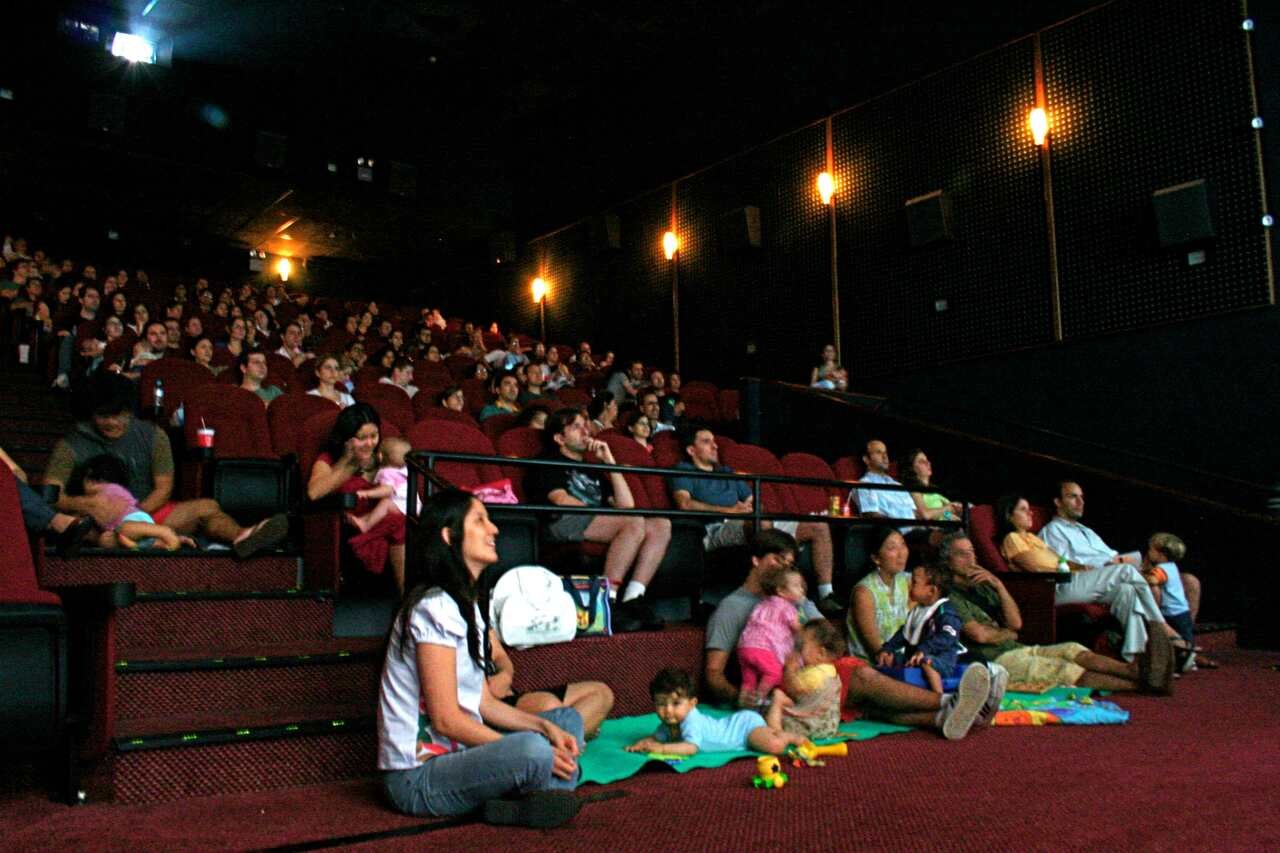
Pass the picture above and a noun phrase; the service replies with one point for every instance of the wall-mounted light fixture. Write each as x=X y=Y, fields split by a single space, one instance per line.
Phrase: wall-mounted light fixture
x=670 y=244
x=826 y=187
x=1038 y=120
x=539 y=290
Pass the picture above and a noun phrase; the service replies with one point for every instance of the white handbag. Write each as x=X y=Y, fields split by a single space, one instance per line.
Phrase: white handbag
x=529 y=607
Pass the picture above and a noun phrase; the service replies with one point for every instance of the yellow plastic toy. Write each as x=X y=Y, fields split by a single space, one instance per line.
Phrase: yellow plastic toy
x=770 y=772
x=812 y=754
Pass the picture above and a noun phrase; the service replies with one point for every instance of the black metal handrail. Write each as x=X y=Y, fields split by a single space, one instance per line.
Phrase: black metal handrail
x=422 y=463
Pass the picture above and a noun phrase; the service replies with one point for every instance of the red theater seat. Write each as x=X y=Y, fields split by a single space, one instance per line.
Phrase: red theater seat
x=287 y=413
x=436 y=434
x=495 y=425
x=752 y=459
x=392 y=404
x=178 y=376
x=808 y=466
x=519 y=443
x=443 y=414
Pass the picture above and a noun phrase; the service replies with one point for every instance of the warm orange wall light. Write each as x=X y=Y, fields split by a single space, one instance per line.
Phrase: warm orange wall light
x=1039 y=123
x=826 y=187
x=539 y=289
x=284 y=267
x=670 y=244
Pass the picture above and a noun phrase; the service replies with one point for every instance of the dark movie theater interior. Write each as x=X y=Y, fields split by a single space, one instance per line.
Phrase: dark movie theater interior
x=585 y=426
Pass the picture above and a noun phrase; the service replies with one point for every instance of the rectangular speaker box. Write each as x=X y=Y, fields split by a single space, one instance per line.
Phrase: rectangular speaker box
x=269 y=149
x=928 y=219
x=606 y=231
x=1183 y=214
x=403 y=180
x=740 y=229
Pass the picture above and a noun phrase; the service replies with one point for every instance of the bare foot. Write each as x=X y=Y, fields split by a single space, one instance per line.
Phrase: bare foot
x=357 y=522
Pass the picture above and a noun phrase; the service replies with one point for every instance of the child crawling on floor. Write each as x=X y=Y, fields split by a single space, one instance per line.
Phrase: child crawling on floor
x=684 y=730
x=105 y=474
x=392 y=485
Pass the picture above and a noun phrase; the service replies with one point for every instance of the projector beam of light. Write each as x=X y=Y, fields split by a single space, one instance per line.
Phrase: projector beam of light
x=146 y=10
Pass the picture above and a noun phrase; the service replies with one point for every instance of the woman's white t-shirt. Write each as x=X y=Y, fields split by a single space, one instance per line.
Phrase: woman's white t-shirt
x=344 y=398
x=405 y=736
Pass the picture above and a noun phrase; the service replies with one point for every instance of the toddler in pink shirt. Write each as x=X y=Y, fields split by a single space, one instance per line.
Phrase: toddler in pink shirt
x=770 y=635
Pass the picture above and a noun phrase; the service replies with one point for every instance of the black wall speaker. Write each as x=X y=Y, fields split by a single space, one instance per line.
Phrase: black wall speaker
x=1183 y=214
x=269 y=149
x=606 y=231
x=928 y=219
x=740 y=229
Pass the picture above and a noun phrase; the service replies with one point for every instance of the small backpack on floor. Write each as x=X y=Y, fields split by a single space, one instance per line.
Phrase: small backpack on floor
x=530 y=607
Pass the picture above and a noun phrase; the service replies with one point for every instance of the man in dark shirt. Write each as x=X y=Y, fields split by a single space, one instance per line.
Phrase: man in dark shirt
x=636 y=545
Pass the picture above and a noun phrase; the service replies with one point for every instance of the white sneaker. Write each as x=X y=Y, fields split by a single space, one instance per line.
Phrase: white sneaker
x=999 y=683
x=966 y=702
x=62 y=381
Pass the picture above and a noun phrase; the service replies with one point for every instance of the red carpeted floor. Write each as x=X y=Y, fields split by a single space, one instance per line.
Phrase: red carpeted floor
x=1198 y=771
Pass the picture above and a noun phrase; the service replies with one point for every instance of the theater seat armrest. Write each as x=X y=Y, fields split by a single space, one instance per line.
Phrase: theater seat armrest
x=330 y=503
x=99 y=597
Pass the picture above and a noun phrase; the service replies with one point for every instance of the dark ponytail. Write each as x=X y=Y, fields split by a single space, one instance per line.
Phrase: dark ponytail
x=439 y=564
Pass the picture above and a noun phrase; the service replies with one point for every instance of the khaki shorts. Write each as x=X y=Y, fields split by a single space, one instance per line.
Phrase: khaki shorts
x=1054 y=664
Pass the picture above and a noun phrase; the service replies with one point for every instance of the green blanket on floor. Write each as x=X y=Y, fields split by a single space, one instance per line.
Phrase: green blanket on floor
x=606 y=760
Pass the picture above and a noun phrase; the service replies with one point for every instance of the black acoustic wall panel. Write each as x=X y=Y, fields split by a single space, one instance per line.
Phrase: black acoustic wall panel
x=633 y=284
x=746 y=310
x=1146 y=96
x=962 y=131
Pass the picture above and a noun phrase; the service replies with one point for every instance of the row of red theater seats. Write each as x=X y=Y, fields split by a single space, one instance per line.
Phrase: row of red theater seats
x=241 y=421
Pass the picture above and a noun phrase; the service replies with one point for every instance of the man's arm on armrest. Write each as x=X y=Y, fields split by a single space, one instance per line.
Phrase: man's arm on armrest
x=713 y=675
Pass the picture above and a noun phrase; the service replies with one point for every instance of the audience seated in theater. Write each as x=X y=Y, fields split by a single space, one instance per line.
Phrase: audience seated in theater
x=348 y=464
x=1071 y=538
x=236 y=342
x=253 y=372
x=625 y=385
x=202 y=354
x=109 y=427
x=506 y=390
x=1120 y=586
x=991 y=620
x=291 y=344
x=390 y=485
x=636 y=544
x=327 y=378
x=602 y=412
x=733 y=497
x=452 y=398
x=875 y=694
x=77 y=326
x=173 y=335
x=154 y=345
x=639 y=427
x=401 y=376
x=881 y=598
x=1160 y=570
x=882 y=503
x=69 y=532
x=533 y=390
x=446 y=744
x=583 y=361
x=556 y=374
x=829 y=374
x=917 y=472
x=652 y=409
x=534 y=417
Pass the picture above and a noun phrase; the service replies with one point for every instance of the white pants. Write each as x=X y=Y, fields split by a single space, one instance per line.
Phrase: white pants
x=1122 y=588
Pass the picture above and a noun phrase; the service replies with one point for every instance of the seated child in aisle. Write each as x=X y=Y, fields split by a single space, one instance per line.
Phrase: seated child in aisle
x=930 y=639
x=392 y=485
x=769 y=637
x=684 y=730
x=811 y=704
x=105 y=474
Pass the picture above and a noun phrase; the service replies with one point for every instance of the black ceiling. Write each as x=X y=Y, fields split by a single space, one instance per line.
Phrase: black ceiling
x=518 y=116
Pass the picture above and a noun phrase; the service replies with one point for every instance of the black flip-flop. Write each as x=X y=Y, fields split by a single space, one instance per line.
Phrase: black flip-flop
x=268 y=534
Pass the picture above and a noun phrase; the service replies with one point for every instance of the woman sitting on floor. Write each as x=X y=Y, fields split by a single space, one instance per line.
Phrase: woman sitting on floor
x=446 y=744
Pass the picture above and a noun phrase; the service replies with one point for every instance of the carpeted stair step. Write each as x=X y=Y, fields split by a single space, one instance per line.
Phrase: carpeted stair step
x=179 y=763
x=335 y=679
x=162 y=571
x=234 y=623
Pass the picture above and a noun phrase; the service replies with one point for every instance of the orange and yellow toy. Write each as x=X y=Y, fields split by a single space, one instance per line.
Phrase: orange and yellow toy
x=770 y=774
x=811 y=754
